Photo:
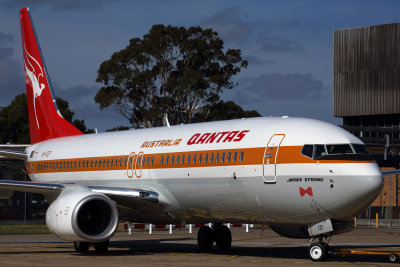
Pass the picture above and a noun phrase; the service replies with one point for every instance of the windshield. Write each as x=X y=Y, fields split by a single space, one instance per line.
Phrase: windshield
x=339 y=149
x=331 y=151
x=360 y=149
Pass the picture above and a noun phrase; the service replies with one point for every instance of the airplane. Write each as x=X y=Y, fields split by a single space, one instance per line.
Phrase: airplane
x=303 y=178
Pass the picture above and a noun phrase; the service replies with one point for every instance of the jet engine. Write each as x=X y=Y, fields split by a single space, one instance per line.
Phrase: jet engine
x=82 y=216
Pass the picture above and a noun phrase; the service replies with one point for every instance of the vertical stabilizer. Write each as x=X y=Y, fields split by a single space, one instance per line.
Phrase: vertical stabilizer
x=45 y=122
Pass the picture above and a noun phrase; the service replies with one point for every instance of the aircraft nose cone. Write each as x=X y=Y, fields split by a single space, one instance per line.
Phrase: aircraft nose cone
x=373 y=185
x=359 y=190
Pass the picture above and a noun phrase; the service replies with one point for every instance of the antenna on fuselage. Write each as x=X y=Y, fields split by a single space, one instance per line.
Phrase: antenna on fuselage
x=165 y=120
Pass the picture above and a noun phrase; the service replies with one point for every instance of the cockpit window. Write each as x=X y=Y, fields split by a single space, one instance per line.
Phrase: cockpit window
x=339 y=149
x=360 y=149
x=307 y=150
x=336 y=152
x=319 y=151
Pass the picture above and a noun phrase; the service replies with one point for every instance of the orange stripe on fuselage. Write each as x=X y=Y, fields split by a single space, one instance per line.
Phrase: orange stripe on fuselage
x=252 y=156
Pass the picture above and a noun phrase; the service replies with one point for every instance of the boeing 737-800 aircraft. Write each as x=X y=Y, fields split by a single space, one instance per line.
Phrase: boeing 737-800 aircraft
x=304 y=178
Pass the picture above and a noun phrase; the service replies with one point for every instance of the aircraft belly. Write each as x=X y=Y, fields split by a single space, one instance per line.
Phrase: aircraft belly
x=301 y=199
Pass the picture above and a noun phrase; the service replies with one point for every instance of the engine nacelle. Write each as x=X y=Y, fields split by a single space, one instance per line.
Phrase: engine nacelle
x=82 y=216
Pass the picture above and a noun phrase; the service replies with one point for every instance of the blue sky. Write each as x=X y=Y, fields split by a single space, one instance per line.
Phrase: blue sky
x=288 y=45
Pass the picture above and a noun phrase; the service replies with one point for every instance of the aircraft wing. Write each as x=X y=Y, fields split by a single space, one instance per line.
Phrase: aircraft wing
x=129 y=194
x=13 y=151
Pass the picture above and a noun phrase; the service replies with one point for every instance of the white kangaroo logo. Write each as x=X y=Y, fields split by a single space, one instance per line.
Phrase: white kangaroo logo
x=34 y=76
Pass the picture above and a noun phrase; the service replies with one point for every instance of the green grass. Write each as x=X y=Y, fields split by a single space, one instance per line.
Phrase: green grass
x=24 y=229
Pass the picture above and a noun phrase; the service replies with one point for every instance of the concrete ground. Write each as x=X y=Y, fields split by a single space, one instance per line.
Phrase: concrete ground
x=255 y=248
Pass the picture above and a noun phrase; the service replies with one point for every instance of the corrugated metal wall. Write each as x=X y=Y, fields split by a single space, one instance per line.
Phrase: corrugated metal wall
x=366 y=66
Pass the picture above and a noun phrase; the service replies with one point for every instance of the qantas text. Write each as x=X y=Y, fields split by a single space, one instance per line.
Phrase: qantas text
x=208 y=138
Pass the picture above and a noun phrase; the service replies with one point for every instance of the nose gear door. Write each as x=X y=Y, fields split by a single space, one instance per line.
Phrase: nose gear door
x=270 y=158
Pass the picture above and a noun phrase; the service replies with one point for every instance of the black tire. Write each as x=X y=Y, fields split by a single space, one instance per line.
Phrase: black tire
x=81 y=247
x=205 y=238
x=317 y=252
x=223 y=237
x=101 y=247
x=393 y=258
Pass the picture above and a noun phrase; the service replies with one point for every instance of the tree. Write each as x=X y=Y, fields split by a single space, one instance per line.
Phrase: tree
x=171 y=70
x=118 y=128
x=224 y=111
x=14 y=123
x=68 y=114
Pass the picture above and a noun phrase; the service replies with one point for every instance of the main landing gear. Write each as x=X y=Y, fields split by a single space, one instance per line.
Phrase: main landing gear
x=99 y=247
x=220 y=234
x=319 y=251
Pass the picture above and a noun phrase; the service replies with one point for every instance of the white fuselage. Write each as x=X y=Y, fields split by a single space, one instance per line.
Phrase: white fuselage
x=269 y=181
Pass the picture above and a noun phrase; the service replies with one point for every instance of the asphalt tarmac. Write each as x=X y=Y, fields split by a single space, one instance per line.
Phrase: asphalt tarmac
x=255 y=248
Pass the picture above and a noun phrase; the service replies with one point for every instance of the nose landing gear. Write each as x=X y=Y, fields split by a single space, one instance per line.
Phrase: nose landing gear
x=318 y=251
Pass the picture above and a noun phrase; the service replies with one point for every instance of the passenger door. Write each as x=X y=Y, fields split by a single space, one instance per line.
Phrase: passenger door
x=270 y=158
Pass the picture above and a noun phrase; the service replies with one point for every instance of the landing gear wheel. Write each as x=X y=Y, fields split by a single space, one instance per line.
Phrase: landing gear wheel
x=223 y=237
x=318 y=252
x=101 y=247
x=205 y=238
x=81 y=247
x=393 y=258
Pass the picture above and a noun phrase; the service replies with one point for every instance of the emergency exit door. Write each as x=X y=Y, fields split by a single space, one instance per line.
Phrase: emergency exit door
x=270 y=158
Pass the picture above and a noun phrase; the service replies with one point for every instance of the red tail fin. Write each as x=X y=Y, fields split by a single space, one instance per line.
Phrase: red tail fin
x=45 y=122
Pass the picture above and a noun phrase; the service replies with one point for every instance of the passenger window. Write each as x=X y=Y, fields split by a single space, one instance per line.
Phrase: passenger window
x=234 y=157
x=222 y=157
x=107 y=163
x=147 y=161
x=188 y=159
x=143 y=159
x=194 y=158
x=162 y=160
x=91 y=164
x=172 y=159
x=217 y=158
x=228 y=157
x=95 y=163
x=211 y=157
x=319 y=151
x=241 y=156
x=205 y=158
x=152 y=160
x=120 y=161
x=307 y=151
x=111 y=162
x=79 y=164
x=166 y=160
x=177 y=159
x=200 y=157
